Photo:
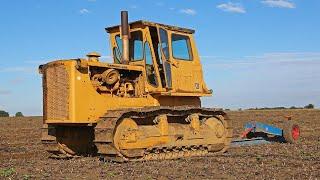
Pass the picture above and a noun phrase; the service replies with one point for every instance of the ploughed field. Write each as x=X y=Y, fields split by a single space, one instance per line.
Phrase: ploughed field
x=23 y=157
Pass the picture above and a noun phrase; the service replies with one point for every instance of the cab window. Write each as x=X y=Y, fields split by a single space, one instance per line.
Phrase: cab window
x=165 y=51
x=136 y=47
x=150 y=70
x=117 y=51
x=181 y=48
x=116 y=55
x=164 y=42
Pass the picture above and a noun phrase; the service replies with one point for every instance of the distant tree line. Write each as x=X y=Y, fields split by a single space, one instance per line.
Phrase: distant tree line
x=309 y=106
x=6 y=114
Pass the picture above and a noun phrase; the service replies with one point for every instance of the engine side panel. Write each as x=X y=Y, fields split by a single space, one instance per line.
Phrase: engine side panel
x=70 y=97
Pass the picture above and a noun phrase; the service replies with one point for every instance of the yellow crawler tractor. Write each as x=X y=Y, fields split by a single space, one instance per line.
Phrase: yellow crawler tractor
x=144 y=106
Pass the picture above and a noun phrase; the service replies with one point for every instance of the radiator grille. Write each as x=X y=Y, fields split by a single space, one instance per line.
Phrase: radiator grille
x=56 y=93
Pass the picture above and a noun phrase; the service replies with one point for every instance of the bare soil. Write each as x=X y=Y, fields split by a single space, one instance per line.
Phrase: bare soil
x=23 y=157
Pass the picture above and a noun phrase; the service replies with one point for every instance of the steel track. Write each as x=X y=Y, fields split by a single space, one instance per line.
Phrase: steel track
x=105 y=128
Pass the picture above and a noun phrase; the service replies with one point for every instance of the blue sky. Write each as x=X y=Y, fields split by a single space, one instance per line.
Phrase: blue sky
x=256 y=53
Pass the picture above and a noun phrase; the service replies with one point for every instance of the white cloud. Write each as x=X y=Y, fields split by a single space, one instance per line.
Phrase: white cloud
x=303 y=66
x=16 y=80
x=279 y=3
x=84 y=11
x=5 y=92
x=133 y=6
x=18 y=69
x=209 y=57
x=106 y=58
x=232 y=7
x=266 y=80
x=159 y=4
x=191 y=12
x=37 y=62
x=275 y=58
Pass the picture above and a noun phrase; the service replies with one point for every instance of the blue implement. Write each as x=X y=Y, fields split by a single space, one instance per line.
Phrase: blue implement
x=257 y=133
x=262 y=127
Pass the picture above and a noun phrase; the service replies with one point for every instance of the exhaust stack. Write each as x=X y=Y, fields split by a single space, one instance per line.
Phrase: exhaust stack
x=125 y=37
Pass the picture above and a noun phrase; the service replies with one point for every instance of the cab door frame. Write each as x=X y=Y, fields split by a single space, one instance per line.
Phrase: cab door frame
x=165 y=60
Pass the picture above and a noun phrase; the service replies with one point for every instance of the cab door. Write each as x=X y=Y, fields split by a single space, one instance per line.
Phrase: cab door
x=186 y=68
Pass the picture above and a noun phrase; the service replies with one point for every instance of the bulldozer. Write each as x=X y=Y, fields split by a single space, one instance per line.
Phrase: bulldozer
x=144 y=106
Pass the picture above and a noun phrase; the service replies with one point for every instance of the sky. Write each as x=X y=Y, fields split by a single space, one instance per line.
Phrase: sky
x=255 y=53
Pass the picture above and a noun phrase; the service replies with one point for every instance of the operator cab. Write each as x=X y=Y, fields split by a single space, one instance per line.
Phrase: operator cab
x=167 y=53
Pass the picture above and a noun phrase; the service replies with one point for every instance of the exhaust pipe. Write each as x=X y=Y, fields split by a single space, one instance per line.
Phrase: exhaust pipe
x=125 y=37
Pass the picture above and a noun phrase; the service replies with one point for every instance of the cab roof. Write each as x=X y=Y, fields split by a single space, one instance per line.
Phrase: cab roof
x=148 y=23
